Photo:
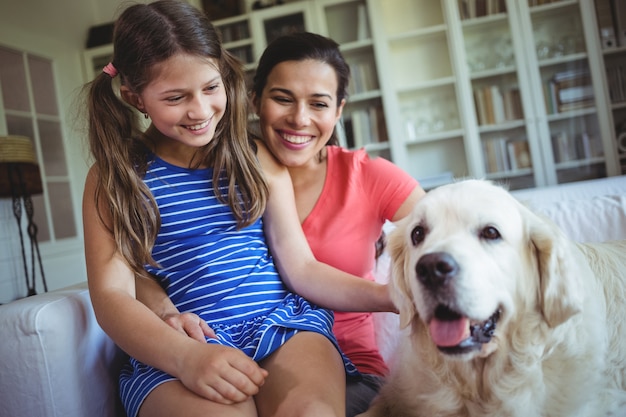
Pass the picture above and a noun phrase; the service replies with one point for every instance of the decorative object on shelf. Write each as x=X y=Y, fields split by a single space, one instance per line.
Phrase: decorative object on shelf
x=100 y=35
x=220 y=9
x=263 y=4
x=20 y=179
x=284 y=25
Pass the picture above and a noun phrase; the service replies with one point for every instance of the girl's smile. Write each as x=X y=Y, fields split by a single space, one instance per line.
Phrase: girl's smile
x=185 y=101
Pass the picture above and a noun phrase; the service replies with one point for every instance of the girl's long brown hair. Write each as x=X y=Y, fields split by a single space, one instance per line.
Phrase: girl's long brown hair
x=145 y=35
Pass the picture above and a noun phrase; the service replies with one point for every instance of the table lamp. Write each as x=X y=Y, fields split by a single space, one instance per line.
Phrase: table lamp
x=20 y=179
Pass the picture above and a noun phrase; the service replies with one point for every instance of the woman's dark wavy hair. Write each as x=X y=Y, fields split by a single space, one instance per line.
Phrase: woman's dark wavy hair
x=299 y=47
x=146 y=35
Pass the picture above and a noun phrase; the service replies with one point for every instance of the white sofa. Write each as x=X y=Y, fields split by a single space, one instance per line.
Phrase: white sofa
x=55 y=361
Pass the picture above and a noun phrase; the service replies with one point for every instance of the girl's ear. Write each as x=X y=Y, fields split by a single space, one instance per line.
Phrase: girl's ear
x=131 y=98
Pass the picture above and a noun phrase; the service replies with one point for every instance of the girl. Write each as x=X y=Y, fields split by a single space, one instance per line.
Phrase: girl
x=182 y=201
x=342 y=197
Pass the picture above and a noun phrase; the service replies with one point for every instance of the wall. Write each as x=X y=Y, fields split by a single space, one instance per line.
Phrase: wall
x=43 y=28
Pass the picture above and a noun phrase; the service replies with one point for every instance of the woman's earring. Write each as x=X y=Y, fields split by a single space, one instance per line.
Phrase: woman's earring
x=146 y=115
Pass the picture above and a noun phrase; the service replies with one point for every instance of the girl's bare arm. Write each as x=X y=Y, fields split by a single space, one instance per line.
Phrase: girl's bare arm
x=218 y=373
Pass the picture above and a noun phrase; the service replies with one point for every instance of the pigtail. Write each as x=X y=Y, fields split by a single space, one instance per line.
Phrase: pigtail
x=120 y=158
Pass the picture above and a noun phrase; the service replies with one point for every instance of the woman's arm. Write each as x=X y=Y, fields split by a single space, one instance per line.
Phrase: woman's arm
x=212 y=371
x=301 y=272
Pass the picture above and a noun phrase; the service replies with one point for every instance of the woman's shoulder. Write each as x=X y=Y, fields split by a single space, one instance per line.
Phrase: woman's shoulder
x=357 y=159
x=347 y=157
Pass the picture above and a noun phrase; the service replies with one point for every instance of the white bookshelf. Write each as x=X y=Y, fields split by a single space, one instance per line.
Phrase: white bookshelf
x=611 y=20
x=464 y=84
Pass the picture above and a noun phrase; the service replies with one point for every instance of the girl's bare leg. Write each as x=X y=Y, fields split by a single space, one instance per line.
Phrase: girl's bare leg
x=174 y=399
x=306 y=379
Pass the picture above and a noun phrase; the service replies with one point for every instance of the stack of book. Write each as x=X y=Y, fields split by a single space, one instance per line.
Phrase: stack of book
x=363 y=75
x=505 y=154
x=494 y=106
x=569 y=90
x=611 y=16
x=615 y=77
x=364 y=126
x=470 y=9
x=568 y=147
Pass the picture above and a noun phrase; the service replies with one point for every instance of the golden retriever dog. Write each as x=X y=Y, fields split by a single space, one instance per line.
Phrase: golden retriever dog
x=505 y=315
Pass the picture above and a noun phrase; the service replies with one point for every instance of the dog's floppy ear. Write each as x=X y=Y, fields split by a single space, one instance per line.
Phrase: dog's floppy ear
x=560 y=290
x=399 y=287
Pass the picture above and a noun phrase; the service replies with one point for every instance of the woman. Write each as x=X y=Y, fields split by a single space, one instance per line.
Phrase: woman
x=343 y=197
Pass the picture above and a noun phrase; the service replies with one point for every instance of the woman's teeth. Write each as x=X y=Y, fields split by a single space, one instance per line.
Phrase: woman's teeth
x=296 y=139
x=199 y=126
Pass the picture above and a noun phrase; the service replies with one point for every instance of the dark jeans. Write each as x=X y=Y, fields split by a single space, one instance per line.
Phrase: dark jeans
x=360 y=393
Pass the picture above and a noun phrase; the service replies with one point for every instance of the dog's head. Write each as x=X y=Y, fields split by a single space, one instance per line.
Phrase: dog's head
x=469 y=258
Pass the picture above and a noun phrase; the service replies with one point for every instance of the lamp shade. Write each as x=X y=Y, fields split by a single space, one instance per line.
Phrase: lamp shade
x=19 y=172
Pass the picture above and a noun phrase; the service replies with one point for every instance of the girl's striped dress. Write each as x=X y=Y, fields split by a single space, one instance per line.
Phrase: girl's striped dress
x=224 y=275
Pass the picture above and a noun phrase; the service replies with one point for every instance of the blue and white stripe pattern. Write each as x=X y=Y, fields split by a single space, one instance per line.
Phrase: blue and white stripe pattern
x=224 y=275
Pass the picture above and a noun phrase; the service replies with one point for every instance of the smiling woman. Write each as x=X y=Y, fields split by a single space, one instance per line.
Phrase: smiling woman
x=343 y=197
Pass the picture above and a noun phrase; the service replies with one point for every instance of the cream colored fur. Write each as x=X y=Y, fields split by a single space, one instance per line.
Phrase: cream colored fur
x=560 y=345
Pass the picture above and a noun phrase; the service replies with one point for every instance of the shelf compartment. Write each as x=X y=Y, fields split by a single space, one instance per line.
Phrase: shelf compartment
x=401 y=16
x=363 y=72
x=408 y=56
x=558 y=31
x=506 y=153
x=429 y=112
x=497 y=100
x=427 y=159
x=576 y=142
x=363 y=125
x=348 y=22
x=489 y=46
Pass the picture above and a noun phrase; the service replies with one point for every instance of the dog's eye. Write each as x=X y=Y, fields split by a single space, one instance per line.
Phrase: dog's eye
x=490 y=233
x=418 y=234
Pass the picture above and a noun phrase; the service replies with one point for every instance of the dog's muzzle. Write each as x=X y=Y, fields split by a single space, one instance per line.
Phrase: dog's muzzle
x=451 y=331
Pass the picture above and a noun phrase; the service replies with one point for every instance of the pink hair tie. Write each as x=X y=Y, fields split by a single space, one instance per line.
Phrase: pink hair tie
x=110 y=70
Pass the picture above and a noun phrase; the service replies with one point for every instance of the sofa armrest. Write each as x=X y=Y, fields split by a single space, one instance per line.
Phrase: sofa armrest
x=56 y=360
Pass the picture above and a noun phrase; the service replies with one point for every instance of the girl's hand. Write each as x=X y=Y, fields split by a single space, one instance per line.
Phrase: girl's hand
x=219 y=373
x=190 y=324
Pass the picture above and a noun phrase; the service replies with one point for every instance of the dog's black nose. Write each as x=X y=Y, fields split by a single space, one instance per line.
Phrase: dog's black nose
x=436 y=269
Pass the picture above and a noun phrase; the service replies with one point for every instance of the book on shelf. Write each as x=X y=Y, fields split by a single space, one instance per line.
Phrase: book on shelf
x=589 y=146
x=470 y=9
x=619 y=13
x=363 y=76
x=365 y=126
x=569 y=90
x=533 y=3
x=575 y=93
x=606 y=23
x=616 y=82
x=513 y=109
x=363 y=27
x=568 y=147
x=496 y=153
x=506 y=154
x=564 y=147
x=494 y=106
x=519 y=154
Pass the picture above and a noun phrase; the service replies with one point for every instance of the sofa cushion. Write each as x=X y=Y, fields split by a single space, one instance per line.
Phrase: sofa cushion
x=596 y=219
x=56 y=360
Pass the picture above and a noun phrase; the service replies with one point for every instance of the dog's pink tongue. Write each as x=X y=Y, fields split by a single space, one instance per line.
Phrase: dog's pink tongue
x=446 y=333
